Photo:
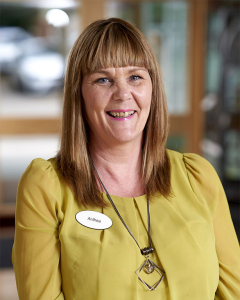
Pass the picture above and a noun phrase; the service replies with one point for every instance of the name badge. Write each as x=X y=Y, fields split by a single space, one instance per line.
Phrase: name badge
x=93 y=219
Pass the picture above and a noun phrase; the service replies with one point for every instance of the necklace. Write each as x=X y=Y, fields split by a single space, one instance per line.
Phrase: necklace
x=148 y=266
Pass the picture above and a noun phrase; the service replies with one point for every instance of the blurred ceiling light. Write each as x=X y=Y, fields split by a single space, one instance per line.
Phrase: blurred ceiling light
x=57 y=18
x=51 y=3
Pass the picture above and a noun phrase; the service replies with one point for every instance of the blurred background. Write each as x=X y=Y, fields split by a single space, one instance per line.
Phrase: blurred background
x=197 y=44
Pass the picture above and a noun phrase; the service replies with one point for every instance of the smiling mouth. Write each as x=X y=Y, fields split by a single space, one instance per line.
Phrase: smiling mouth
x=121 y=114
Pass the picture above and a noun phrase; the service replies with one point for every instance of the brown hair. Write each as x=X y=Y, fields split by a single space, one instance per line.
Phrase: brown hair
x=111 y=43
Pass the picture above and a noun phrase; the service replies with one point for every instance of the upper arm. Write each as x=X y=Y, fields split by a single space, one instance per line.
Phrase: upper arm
x=208 y=188
x=228 y=253
x=36 y=250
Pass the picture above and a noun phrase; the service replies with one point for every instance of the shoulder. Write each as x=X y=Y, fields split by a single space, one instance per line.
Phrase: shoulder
x=191 y=162
x=40 y=172
x=39 y=195
x=40 y=167
x=195 y=171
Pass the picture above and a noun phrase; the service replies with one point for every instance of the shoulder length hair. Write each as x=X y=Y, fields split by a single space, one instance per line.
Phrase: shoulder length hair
x=110 y=43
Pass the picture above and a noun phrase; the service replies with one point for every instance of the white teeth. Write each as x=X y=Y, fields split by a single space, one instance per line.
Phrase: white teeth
x=121 y=114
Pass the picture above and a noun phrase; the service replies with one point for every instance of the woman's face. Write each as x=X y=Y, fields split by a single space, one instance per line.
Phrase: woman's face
x=117 y=103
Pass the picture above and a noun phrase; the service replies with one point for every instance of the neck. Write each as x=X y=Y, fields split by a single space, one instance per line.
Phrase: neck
x=119 y=167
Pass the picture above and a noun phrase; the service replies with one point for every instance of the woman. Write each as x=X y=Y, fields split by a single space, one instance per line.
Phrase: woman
x=171 y=236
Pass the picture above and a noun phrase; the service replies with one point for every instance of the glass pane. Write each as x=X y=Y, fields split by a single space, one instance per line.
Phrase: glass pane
x=222 y=101
x=165 y=26
x=35 y=39
x=16 y=152
x=176 y=143
x=125 y=11
x=232 y=155
x=232 y=88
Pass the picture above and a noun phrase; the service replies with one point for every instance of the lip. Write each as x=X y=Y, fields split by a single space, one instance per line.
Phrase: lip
x=122 y=119
x=121 y=110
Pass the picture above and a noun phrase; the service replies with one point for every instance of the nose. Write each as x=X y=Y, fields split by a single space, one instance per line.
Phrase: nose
x=122 y=91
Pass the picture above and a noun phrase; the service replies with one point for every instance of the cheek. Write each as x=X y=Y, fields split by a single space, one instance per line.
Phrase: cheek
x=90 y=106
x=96 y=101
x=94 y=109
x=146 y=99
x=149 y=97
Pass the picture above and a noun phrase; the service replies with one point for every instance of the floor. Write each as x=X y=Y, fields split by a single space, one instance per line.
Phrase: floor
x=8 y=290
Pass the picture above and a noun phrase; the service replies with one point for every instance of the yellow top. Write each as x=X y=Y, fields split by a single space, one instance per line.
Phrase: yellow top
x=55 y=257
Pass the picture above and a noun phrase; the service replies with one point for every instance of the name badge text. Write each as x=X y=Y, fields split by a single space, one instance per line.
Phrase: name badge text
x=93 y=219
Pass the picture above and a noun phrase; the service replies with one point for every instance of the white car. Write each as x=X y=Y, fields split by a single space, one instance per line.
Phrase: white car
x=39 y=69
x=10 y=38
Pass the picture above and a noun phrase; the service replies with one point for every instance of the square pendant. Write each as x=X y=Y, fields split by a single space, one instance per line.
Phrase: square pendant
x=149 y=267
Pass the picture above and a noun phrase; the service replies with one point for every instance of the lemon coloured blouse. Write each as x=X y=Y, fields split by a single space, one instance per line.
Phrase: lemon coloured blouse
x=55 y=257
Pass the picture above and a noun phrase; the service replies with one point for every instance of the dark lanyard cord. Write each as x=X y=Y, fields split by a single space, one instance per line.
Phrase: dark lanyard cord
x=120 y=217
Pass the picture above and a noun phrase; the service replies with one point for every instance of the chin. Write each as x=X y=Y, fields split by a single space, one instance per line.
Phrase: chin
x=127 y=137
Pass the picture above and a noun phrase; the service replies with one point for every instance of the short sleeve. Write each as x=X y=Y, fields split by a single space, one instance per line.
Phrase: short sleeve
x=208 y=189
x=36 y=249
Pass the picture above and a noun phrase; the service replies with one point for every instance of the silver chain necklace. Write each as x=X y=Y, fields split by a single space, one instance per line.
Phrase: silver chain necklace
x=148 y=266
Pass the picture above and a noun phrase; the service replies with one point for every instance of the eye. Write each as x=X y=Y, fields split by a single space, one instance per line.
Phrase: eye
x=102 y=80
x=135 y=77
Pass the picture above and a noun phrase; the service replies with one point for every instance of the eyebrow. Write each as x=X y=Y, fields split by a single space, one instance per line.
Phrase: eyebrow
x=109 y=73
